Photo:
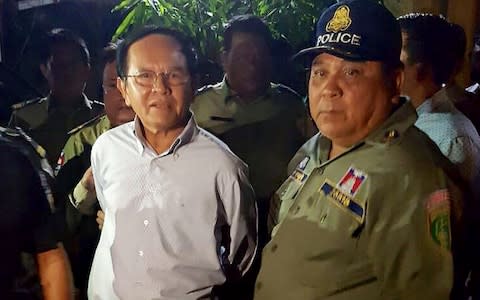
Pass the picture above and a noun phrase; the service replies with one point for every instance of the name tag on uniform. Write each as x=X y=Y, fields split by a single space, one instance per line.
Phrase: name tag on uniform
x=343 y=201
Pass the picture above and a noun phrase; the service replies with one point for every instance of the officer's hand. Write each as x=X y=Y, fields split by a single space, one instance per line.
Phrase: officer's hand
x=87 y=180
x=100 y=219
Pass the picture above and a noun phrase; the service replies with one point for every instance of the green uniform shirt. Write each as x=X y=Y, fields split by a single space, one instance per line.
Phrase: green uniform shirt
x=265 y=133
x=48 y=125
x=75 y=160
x=371 y=223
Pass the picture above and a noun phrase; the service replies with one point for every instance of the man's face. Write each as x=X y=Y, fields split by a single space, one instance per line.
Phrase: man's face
x=65 y=71
x=410 y=70
x=117 y=110
x=248 y=65
x=161 y=107
x=348 y=100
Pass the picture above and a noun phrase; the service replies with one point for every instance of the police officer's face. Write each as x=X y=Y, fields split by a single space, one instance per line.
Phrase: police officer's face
x=65 y=71
x=348 y=100
x=247 y=64
x=161 y=107
x=117 y=110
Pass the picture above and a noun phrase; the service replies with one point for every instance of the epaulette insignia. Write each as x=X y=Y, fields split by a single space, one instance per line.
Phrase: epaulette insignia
x=20 y=105
x=88 y=123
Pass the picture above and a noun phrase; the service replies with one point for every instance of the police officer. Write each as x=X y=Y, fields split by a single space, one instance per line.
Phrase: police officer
x=26 y=223
x=73 y=171
x=262 y=122
x=66 y=65
x=367 y=212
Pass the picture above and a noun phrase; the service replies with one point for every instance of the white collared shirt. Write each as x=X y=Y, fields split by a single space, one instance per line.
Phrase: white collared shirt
x=173 y=221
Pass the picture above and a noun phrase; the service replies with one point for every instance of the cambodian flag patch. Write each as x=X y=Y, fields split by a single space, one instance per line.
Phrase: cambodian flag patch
x=352 y=181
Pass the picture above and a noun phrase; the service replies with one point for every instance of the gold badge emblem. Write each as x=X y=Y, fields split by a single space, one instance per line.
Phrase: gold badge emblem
x=340 y=20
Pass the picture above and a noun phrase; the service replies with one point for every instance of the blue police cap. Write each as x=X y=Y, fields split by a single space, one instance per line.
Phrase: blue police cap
x=357 y=30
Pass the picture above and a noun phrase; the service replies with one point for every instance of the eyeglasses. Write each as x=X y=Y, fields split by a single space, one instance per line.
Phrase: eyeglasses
x=172 y=78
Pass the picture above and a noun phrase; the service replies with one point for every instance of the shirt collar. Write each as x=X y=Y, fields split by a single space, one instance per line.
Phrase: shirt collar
x=52 y=102
x=229 y=95
x=186 y=136
x=395 y=126
x=440 y=99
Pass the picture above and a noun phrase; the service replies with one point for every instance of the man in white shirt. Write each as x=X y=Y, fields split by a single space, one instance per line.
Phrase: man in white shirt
x=180 y=214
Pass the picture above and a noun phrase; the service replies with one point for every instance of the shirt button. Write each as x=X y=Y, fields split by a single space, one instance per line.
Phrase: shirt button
x=145 y=222
x=258 y=285
x=140 y=253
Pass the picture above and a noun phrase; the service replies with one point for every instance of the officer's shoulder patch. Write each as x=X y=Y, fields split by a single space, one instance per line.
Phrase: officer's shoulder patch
x=86 y=124
x=437 y=208
x=342 y=200
x=23 y=104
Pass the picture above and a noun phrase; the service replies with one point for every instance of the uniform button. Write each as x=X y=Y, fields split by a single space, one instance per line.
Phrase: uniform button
x=320 y=171
x=274 y=247
x=258 y=285
x=140 y=253
x=145 y=222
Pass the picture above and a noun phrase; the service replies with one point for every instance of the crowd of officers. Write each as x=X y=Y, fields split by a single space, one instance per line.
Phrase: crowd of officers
x=379 y=204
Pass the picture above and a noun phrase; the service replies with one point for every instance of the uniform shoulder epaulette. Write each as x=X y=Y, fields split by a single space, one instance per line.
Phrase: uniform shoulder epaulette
x=20 y=105
x=86 y=124
x=285 y=89
x=9 y=131
x=99 y=103
x=204 y=89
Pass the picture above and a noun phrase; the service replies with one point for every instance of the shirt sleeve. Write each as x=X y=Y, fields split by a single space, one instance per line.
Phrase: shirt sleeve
x=241 y=213
x=409 y=236
x=463 y=152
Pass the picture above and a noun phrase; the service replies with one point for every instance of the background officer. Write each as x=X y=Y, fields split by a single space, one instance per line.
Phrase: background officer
x=65 y=63
x=26 y=223
x=74 y=177
x=367 y=212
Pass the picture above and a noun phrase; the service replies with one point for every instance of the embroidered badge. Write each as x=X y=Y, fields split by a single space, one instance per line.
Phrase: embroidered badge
x=340 y=20
x=438 y=212
x=343 y=201
x=351 y=181
x=303 y=164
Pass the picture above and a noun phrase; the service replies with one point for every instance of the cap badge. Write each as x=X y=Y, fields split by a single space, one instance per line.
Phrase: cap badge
x=340 y=20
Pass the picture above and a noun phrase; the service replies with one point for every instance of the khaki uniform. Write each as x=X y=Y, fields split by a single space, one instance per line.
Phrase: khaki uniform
x=48 y=125
x=252 y=130
x=83 y=230
x=371 y=223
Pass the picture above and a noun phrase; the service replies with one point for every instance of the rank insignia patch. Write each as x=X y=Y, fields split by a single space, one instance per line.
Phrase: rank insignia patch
x=438 y=211
x=343 y=200
x=351 y=181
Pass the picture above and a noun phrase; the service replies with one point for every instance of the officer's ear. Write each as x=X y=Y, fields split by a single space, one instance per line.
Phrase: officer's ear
x=122 y=87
